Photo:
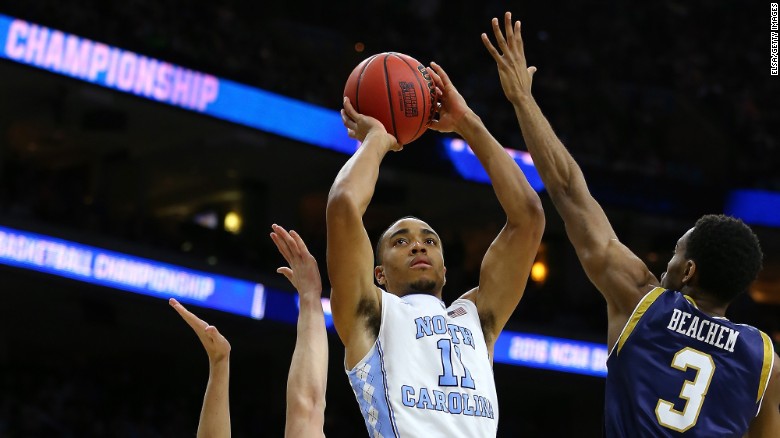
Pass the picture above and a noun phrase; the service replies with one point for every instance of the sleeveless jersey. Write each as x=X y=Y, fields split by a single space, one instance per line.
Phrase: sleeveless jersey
x=676 y=371
x=428 y=373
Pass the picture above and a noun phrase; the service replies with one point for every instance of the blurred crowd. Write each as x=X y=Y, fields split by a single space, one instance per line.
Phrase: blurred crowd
x=668 y=89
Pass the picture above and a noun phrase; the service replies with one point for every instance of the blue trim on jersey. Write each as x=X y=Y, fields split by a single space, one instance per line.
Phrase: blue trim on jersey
x=387 y=392
x=371 y=372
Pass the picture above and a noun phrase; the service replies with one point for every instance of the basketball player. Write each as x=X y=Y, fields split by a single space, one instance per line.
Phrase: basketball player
x=677 y=365
x=307 y=378
x=416 y=366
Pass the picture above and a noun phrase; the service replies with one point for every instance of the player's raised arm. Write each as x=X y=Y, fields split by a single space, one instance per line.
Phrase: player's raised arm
x=215 y=413
x=308 y=376
x=620 y=276
x=505 y=267
x=767 y=423
x=355 y=300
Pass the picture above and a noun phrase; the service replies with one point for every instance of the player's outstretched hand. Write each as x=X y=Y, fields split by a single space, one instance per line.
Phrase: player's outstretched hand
x=516 y=76
x=361 y=127
x=453 y=109
x=217 y=347
x=303 y=272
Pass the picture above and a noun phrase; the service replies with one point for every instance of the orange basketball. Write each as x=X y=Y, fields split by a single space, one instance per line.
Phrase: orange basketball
x=396 y=90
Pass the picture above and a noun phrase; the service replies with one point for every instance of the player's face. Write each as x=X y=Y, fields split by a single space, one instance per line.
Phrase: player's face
x=675 y=269
x=412 y=259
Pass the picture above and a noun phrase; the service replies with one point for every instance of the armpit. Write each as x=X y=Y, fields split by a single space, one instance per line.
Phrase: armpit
x=369 y=312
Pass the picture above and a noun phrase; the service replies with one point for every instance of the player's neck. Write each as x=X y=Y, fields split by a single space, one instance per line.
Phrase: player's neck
x=705 y=302
x=434 y=294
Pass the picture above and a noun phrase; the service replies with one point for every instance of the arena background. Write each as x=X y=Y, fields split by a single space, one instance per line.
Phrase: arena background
x=667 y=105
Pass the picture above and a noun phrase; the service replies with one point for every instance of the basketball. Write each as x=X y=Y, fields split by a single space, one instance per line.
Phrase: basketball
x=396 y=90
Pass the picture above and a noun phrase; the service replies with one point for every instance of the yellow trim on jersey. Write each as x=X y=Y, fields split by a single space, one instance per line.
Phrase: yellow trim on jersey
x=640 y=310
x=769 y=358
x=691 y=300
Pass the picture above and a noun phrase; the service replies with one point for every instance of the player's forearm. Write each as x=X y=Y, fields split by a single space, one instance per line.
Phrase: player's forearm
x=215 y=414
x=557 y=168
x=356 y=181
x=516 y=196
x=307 y=380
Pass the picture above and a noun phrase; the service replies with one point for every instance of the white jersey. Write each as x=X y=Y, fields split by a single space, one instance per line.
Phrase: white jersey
x=428 y=373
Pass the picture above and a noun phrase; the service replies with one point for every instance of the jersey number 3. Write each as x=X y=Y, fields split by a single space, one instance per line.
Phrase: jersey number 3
x=692 y=392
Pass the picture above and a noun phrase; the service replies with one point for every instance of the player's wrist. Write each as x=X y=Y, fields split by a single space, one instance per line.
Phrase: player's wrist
x=220 y=362
x=310 y=297
x=380 y=139
x=469 y=123
x=522 y=98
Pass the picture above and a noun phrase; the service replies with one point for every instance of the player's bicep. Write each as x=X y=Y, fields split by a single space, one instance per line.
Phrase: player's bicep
x=350 y=263
x=586 y=223
x=504 y=273
x=617 y=273
x=621 y=277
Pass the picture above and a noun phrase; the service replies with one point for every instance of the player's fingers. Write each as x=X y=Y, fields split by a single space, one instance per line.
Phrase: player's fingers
x=508 y=28
x=349 y=123
x=197 y=324
x=445 y=79
x=347 y=119
x=285 y=235
x=287 y=272
x=281 y=247
x=300 y=243
x=519 y=39
x=436 y=79
x=186 y=314
x=489 y=46
x=499 y=36
x=280 y=243
x=435 y=126
x=351 y=112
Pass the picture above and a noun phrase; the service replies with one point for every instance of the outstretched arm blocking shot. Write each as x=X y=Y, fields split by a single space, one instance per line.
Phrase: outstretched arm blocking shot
x=308 y=376
x=615 y=271
x=215 y=414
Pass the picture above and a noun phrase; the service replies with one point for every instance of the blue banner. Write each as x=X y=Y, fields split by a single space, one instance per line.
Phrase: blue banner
x=122 y=70
x=130 y=273
x=160 y=81
x=551 y=353
x=468 y=166
x=755 y=207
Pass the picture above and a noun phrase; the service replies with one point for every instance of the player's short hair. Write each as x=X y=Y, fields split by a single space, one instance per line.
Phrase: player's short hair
x=727 y=254
x=378 y=249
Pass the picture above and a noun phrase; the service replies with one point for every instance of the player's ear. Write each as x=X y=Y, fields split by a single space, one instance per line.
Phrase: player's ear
x=444 y=275
x=690 y=271
x=379 y=274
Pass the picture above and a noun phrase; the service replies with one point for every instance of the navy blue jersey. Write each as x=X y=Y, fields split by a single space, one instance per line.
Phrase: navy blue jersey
x=676 y=371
